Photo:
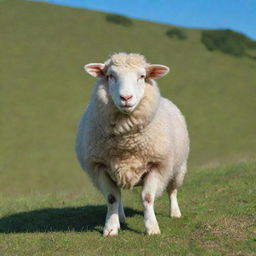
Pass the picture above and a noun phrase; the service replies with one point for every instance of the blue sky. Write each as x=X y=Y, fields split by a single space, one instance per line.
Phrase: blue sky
x=239 y=15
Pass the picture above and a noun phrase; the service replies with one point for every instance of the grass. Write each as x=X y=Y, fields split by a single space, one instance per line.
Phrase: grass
x=218 y=208
x=47 y=204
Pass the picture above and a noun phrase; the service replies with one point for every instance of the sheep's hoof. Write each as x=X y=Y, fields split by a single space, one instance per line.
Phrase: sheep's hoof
x=153 y=230
x=110 y=231
x=175 y=213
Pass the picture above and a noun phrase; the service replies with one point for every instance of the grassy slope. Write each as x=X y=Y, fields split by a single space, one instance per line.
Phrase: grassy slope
x=218 y=208
x=43 y=91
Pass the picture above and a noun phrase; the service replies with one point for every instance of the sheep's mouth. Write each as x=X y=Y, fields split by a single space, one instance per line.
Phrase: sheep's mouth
x=126 y=109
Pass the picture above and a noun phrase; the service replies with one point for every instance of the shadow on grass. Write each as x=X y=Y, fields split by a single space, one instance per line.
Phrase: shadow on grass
x=80 y=219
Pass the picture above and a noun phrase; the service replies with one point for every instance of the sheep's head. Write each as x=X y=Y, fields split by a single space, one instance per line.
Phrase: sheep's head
x=126 y=76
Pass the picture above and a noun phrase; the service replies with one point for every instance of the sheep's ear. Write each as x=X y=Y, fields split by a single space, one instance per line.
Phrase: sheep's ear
x=156 y=71
x=95 y=69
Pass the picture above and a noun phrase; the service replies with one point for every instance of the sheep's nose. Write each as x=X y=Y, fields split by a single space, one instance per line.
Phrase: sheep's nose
x=126 y=97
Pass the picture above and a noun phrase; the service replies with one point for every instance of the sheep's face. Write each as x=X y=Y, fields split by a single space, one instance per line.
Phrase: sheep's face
x=126 y=84
x=126 y=87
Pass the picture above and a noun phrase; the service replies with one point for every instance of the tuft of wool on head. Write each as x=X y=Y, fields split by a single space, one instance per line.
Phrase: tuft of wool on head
x=127 y=60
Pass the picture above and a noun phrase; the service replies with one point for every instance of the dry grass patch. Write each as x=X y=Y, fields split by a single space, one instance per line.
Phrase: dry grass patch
x=235 y=227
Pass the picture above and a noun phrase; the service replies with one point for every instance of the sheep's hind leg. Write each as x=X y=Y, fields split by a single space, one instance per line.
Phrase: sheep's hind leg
x=149 y=191
x=121 y=212
x=113 y=197
x=172 y=191
x=174 y=206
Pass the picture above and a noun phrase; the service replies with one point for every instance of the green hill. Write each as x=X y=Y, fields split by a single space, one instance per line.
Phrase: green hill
x=44 y=89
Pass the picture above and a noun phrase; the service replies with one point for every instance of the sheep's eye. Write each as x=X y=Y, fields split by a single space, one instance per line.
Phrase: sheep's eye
x=142 y=76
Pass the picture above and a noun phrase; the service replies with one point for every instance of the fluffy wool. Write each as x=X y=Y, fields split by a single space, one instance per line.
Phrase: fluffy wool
x=131 y=60
x=148 y=146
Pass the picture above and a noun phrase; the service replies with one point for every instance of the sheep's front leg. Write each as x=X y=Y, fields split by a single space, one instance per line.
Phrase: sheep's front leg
x=113 y=197
x=149 y=191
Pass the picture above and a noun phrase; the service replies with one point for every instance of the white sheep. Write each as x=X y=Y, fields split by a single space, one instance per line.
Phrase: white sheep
x=129 y=135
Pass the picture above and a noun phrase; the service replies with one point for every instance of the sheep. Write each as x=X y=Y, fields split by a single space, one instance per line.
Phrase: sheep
x=131 y=136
